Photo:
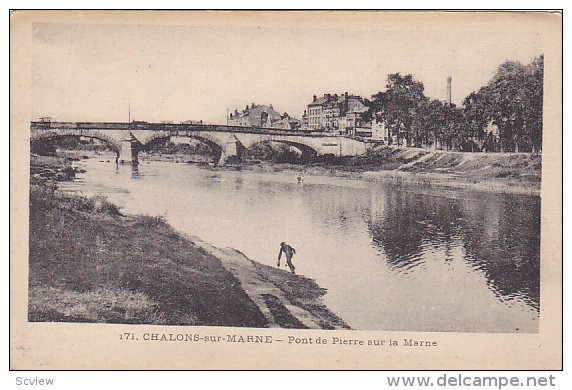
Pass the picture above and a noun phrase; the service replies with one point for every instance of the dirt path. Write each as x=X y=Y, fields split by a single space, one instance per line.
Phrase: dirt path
x=286 y=300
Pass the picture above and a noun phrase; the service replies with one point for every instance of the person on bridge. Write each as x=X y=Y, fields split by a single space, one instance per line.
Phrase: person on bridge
x=289 y=252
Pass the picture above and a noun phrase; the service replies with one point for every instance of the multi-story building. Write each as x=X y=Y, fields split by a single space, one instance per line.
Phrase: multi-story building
x=258 y=115
x=341 y=114
x=255 y=115
x=315 y=119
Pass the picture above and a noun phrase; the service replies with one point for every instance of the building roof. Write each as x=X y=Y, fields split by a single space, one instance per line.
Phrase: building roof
x=287 y=122
x=320 y=101
x=355 y=104
x=253 y=115
x=345 y=103
x=258 y=109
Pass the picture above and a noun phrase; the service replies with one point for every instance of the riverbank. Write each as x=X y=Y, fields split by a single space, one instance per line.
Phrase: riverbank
x=515 y=173
x=421 y=179
x=90 y=263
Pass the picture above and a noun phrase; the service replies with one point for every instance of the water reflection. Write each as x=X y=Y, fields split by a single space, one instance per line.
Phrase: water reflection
x=499 y=235
x=507 y=247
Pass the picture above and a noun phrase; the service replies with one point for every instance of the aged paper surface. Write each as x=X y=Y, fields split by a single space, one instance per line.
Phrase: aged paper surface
x=57 y=344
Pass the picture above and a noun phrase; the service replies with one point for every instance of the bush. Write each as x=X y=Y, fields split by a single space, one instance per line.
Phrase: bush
x=46 y=197
x=148 y=221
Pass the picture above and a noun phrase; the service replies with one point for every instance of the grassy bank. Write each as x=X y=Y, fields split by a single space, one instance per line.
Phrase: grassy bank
x=512 y=168
x=496 y=172
x=45 y=169
x=90 y=263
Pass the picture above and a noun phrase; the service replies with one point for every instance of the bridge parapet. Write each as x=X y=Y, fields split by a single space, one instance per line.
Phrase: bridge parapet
x=171 y=127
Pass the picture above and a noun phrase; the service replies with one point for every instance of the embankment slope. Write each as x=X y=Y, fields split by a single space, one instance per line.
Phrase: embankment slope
x=90 y=263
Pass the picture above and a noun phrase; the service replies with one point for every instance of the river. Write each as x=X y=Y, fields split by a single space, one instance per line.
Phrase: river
x=391 y=256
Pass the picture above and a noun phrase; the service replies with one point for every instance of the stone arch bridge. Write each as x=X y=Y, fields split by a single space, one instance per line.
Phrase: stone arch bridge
x=128 y=139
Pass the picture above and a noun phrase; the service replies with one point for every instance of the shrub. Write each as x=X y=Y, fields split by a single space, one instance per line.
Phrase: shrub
x=148 y=221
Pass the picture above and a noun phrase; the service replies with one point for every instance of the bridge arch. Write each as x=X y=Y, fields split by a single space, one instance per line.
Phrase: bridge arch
x=144 y=147
x=37 y=140
x=214 y=144
x=307 y=152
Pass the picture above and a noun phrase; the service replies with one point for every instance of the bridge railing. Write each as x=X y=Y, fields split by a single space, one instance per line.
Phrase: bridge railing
x=175 y=128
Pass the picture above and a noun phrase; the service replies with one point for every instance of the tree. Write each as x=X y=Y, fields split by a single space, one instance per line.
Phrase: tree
x=369 y=115
x=396 y=106
x=455 y=124
x=421 y=125
x=439 y=124
x=476 y=116
x=429 y=122
x=534 y=92
x=513 y=101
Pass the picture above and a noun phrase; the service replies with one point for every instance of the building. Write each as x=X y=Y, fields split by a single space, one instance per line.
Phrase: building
x=304 y=124
x=258 y=115
x=323 y=113
x=286 y=122
x=379 y=131
x=341 y=114
x=255 y=115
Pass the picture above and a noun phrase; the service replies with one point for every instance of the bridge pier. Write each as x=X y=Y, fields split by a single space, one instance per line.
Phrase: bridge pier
x=128 y=152
x=229 y=150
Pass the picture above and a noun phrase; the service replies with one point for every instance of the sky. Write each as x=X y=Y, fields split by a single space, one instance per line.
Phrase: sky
x=95 y=72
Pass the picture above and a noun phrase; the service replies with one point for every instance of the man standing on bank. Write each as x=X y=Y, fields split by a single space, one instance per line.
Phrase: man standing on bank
x=289 y=252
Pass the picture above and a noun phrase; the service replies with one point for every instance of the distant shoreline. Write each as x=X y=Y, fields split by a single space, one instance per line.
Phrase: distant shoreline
x=508 y=173
x=426 y=180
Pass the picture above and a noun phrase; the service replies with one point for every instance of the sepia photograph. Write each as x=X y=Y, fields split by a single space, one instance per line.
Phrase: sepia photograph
x=335 y=171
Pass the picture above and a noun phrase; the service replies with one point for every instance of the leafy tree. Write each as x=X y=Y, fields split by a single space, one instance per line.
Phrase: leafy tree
x=396 y=106
x=420 y=125
x=534 y=93
x=368 y=116
x=508 y=106
x=476 y=116
x=429 y=122
x=439 y=124
x=513 y=101
x=454 y=129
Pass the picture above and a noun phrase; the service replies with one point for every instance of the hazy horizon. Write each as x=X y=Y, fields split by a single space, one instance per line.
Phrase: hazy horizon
x=94 y=72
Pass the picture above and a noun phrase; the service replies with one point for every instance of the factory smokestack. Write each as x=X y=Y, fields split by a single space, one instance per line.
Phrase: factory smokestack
x=449 y=94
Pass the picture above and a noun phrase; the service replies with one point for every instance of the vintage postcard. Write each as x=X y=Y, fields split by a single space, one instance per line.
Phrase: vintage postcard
x=286 y=190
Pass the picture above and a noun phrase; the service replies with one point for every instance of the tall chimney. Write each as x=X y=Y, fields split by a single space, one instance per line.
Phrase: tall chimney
x=449 y=80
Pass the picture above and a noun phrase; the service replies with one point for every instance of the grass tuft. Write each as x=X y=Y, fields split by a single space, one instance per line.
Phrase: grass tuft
x=98 y=305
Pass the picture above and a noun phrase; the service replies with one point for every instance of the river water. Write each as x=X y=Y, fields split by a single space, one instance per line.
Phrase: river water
x=391 y=256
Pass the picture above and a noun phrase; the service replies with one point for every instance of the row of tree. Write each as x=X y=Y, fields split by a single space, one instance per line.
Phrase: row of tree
x=504 y=115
